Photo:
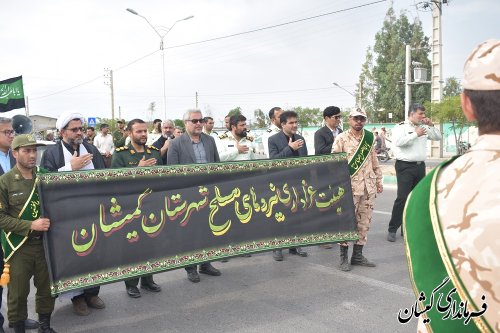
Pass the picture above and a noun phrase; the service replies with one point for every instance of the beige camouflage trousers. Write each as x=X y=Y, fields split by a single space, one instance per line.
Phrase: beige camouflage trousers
x=363 y=209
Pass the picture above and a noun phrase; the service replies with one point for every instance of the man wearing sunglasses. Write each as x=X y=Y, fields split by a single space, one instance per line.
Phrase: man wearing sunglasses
x=366 y=182
x=194 y=146
x=324 y=137
x=73 y=153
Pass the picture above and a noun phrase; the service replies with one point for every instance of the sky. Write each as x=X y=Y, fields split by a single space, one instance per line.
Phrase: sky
x=61 y=49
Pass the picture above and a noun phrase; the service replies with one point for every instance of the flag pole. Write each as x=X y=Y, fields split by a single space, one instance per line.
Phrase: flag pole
x=26 y=108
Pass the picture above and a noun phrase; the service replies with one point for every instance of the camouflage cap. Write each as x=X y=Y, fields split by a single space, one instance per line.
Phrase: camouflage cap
x=357 y=112
x=482 y=68
x=25 y=140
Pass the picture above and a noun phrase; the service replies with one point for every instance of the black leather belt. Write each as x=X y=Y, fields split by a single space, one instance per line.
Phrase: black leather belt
x=33 y=237
x=407 y=162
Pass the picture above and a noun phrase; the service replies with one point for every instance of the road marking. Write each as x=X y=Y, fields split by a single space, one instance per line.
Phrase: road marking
x=363 y=279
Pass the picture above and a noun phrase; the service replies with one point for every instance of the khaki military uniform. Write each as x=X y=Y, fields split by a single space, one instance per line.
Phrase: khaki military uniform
x=364 y=182
x=468 y=207
x=127 y=156
x=29 y=260
x=226 y=146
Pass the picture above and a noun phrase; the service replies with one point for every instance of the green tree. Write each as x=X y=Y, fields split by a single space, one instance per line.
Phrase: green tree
x=234 y=112
x=179 y=123
x=452 y=87
x=261 y=121
x=450 y=110
x=381 y=82
x=309 y=116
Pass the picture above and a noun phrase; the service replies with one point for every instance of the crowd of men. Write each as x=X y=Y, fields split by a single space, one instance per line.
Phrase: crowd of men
x=132 y=145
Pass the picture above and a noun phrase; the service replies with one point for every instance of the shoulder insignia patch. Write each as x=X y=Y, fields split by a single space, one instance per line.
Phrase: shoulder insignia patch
x=401 y=123
x=250 y=138
x=269 y=130
x=153 y=147
x=223 y=136
x=121 y=148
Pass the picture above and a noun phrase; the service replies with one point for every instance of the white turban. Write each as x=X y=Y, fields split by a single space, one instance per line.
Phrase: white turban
x=66 y=117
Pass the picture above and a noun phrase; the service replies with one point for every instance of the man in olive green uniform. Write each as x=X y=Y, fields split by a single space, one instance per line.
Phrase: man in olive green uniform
x=120 y=135
x=22 y=233
x=137 y=154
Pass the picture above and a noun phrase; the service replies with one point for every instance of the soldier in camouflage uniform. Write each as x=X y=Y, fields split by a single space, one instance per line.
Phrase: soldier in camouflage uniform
x=137 y=154
x=366 y=183
x=467 y=226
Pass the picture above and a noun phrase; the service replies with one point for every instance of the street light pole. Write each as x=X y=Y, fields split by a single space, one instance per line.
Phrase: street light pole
x=347 y=91
x=162 y=34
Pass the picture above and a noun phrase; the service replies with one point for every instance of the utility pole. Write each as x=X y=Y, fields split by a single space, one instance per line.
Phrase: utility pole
x=407 y=82
x=196 y=97
x=437 y=69
x=108 y=74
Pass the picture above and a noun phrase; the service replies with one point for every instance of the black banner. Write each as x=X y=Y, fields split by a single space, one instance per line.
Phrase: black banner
x=109 y=225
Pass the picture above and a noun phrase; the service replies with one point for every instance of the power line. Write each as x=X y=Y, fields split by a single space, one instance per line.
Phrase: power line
x=276 y=25
x=218 y=38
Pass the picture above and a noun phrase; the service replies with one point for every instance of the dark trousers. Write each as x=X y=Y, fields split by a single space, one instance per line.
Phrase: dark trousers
x=1 y=289
x=107 y=161
x=408 y=175
x=87 y=293
x=195 y=268
x=145 y=280
x=28 y=261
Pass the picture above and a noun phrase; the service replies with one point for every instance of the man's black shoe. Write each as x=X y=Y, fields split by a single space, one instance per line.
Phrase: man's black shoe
x=193 y=276
x=297 y=251
x=209 y=270
x=151 y=287
x=29 y=324
x=133 y=292
x=278 y=255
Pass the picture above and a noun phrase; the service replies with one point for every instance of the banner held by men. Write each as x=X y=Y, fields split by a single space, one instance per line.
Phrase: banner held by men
x=114 y=224
x=11 y=94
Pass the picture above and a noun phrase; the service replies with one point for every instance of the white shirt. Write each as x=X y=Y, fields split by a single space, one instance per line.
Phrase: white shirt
x=273 y=129
x=410 y=147
x=104 y=143
x=226 y=146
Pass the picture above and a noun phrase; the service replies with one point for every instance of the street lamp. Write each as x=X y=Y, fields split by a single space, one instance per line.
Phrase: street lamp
x=347 y=91
x=161 y=31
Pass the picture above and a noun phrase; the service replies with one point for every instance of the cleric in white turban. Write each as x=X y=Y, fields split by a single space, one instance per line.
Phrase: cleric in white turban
x=66 y=117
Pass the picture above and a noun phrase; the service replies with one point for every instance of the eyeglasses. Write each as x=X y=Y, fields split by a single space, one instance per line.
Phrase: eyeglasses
x=196 y=121
x=337 y=117
x=75 y=129
x=9 y=132
x=359 y=118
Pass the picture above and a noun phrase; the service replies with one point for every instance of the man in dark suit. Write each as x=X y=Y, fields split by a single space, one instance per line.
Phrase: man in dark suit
x=324 y=137
x=74 y=153
x=7 y=161
x=285 y=144
x=194 y=146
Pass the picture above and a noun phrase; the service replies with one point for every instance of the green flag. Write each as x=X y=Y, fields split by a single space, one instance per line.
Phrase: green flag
x=11 y=94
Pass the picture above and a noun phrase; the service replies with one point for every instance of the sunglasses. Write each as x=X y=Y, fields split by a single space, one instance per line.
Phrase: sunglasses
x=75 y=129
x=359 y=118
x=196 y=121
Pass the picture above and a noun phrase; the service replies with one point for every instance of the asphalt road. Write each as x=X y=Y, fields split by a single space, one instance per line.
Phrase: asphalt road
x=258 y=294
